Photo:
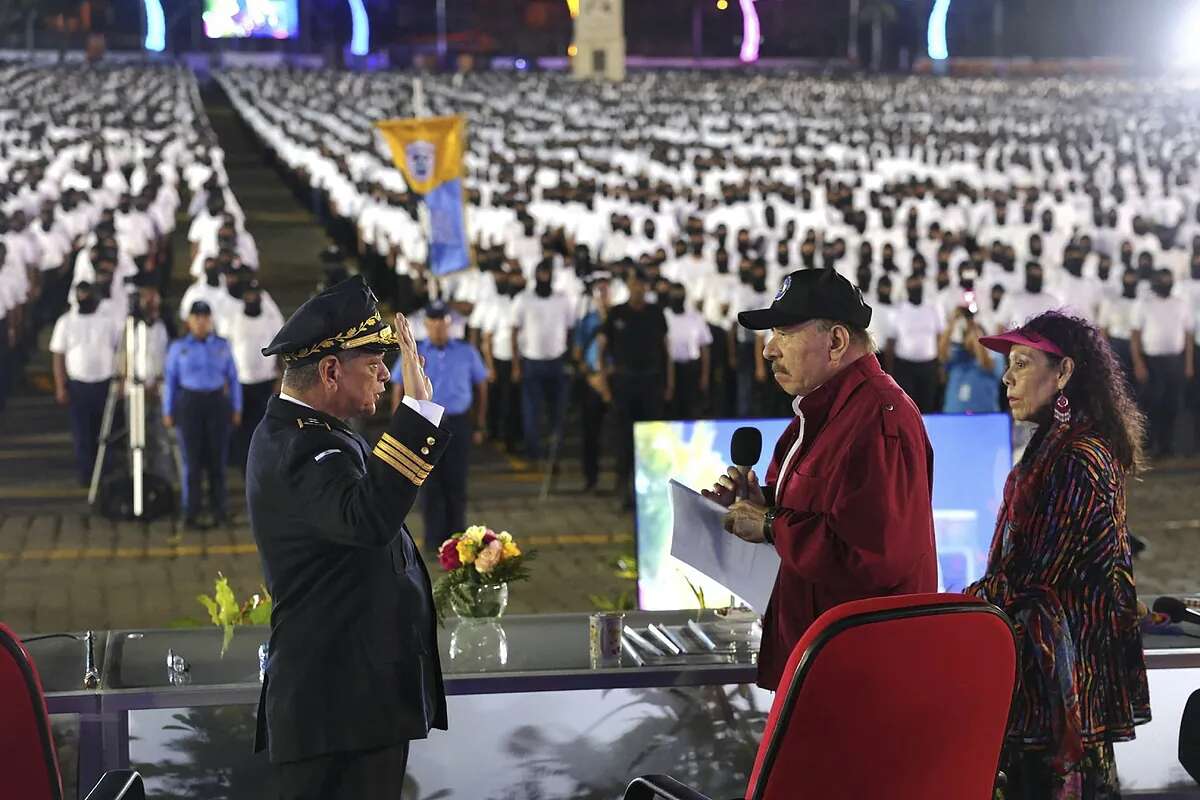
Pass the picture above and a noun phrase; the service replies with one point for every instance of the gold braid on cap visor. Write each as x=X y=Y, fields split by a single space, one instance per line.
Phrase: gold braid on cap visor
x=348 y=340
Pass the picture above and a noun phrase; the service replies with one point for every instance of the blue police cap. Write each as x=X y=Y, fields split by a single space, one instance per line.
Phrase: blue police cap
x=343 y=317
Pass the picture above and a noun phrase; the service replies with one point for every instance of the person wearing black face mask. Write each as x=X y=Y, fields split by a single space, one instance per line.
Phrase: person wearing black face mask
x=808 y=254
x=84 y=346
x=495 y=322
x=1116 y=320
x=1163 y=349
x=1025 y=303
x=1083 y=295
x=54 y=246
x=641 y=376
x=688 y=342
x=249 y=332
x=541 y=325
x=211 y=289
x=722 y=262
x=782 y=256
x=912 y=345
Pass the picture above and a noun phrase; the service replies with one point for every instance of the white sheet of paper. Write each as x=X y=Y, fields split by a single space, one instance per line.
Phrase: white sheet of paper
x=697 y=539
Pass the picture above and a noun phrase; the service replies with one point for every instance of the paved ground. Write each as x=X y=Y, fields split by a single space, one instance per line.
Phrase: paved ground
x=61 y=568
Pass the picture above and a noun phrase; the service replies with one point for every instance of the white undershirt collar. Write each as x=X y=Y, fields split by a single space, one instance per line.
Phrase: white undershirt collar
x=285 y=396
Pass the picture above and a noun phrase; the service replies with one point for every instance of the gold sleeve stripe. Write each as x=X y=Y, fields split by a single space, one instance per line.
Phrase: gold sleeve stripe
x=385 y=450
x=387 y=438
x=415 y=479
x=415 y=465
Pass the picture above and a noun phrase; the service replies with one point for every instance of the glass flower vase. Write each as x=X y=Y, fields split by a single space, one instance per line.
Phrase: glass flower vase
x=479 y=601
x=478 y=642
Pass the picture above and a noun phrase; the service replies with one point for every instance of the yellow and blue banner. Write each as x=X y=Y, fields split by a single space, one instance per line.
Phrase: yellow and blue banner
x=428 y=151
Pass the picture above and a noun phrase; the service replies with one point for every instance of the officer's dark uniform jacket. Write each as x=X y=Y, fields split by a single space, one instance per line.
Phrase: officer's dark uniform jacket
x=353 y=654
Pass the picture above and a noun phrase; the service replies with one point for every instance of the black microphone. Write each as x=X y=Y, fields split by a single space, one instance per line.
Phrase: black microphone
x=1177 y=610
x=745 y=449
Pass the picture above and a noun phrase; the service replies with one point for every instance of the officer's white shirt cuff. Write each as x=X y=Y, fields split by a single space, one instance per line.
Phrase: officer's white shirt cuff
x=427 y=409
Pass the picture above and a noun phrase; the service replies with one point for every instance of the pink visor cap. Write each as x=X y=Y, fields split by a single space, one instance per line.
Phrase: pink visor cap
x=1005 y=341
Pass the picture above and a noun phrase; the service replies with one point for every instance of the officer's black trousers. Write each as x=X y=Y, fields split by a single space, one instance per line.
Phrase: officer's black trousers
x=722 y=379
x=637 y=397
x=919 y=380
x=203 y=420
x=355 y=775
x=504 y=407
x=1193 y=405
x=593 y=410
x=444 y=493
x=685 y=403
x=254 y=406
x=1161 y=398
x=86 y=403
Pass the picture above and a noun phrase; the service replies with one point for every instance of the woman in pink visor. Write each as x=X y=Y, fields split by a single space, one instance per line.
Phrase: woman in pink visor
x=1060 y=563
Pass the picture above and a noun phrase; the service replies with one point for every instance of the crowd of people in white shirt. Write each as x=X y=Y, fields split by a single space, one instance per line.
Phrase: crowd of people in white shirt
x=958 y=207
x=94 y=164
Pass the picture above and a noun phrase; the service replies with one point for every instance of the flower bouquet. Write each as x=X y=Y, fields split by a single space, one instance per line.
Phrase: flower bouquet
x=479 y=565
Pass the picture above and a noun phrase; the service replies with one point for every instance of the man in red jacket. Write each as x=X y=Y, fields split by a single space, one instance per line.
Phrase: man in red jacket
x=848 y=499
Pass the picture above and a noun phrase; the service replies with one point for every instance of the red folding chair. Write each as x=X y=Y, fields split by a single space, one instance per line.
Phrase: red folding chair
x=28 y=764
x=904 y=698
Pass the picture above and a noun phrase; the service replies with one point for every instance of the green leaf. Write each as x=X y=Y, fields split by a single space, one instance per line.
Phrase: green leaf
x=226 y=602
x=209 y=604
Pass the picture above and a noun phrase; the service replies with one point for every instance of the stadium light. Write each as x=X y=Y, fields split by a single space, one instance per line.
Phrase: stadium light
x=360 y=28
x=751 y=32
x=1187 y=55
x=156 y=26
x=722 y=5
x=936 y=35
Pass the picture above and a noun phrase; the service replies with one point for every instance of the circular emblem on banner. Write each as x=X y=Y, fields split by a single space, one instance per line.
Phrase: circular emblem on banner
x=420 y=158
x=787 y=282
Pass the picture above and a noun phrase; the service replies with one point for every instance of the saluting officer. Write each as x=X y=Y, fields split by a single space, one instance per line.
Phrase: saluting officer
x=353 y=673
x=456 y=369
x=202 y=397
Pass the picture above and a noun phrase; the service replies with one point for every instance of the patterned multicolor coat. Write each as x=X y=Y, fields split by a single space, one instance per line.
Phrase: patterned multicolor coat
x=1060 y=566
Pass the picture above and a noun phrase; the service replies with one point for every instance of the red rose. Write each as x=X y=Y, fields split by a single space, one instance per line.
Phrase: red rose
x=488 y=538
x=448 y=555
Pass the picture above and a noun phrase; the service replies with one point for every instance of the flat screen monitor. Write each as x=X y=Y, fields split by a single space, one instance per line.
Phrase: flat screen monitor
x=250 y=19
x=972 y=458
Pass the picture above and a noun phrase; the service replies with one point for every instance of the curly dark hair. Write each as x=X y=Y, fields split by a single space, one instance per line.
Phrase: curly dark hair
x=1099 y=387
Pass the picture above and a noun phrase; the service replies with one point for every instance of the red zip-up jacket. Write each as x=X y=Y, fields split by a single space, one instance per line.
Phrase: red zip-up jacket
x=856 y=506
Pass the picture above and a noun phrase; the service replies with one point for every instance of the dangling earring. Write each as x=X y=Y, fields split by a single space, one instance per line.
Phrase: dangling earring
x=1062 y=410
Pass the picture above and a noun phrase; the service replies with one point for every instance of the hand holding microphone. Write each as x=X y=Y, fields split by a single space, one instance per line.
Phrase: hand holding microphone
x=739 y=482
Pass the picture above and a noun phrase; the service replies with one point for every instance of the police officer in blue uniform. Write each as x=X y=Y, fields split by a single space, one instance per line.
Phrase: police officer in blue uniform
x=202 y=398
x=353 y=673
x=460 y=386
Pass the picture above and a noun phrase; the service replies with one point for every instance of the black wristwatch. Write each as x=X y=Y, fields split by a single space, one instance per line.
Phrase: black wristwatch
x=769 y=523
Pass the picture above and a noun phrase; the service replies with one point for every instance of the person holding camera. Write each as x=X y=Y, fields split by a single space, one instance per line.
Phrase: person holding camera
x=972 y=371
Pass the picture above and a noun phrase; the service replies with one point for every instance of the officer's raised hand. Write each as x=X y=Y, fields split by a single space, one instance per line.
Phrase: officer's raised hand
x=413 y=379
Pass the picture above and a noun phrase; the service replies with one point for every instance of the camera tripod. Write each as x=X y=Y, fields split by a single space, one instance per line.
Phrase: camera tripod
x=135 y=349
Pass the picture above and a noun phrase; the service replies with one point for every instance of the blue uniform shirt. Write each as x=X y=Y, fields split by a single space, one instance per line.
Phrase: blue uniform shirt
x=586 y=338
x=453 y=370
x=200 y=366
x=971 y=389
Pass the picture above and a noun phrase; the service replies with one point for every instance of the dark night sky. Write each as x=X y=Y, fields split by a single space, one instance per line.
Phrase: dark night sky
x=791 y=28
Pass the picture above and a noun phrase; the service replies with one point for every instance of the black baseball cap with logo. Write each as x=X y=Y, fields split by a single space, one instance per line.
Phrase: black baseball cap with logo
x=811 y=294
